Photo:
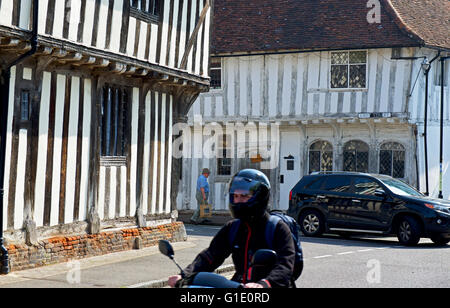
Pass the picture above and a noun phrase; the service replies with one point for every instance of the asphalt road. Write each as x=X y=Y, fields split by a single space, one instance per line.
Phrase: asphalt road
x=363 y=262
x=330 y=262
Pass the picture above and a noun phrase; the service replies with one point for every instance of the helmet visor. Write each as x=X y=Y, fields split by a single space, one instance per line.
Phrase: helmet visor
x=243 y=190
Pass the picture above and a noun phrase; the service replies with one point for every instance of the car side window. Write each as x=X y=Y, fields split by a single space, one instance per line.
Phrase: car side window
x=340 y=184
x=316 y=184
x=366 y=186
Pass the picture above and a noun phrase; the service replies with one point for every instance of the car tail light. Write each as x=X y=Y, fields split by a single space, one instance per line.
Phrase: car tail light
x=290 y=195
x=430 y=206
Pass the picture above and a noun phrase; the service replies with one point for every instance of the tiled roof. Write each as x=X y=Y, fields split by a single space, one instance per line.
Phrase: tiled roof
x=242 y=26
x=428 y=19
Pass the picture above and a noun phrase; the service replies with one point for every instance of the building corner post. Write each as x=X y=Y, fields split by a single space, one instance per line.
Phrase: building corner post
x=4 y=94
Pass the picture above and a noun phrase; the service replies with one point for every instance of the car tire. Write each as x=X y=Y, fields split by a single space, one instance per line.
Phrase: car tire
x=312 y=223
x=409 y=231
x=439 y=240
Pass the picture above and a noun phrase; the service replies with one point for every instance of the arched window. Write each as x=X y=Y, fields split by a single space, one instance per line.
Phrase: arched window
x=392 y=159
x=356 y=156
x=320 y=157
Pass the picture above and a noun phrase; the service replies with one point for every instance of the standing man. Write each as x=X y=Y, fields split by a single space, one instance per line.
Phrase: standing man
x=202 y=194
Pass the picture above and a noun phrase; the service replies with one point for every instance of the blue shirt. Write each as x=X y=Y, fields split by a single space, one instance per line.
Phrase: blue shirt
x=202 y=182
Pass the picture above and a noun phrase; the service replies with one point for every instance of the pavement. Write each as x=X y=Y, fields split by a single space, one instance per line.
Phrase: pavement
x=144 y=268
x=218 y=218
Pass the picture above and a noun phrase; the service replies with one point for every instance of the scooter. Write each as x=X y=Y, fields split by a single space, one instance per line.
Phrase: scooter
x=262 y=259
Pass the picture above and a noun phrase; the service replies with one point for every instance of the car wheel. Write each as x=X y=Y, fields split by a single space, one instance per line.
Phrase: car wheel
x=408 y=231
x=439 y=240
x=311 y=223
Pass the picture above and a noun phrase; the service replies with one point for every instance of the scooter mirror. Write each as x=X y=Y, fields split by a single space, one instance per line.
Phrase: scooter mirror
x=166 y=248
x=264 y=257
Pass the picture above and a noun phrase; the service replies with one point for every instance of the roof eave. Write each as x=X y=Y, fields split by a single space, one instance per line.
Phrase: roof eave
x=401 y=24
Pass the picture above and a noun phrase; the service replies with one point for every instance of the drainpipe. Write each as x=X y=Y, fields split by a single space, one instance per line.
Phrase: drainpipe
x=4 y=90
x=441 y=159
x=425 y=132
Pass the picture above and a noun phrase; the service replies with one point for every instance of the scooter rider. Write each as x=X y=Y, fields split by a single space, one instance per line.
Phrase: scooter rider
x=249 y=194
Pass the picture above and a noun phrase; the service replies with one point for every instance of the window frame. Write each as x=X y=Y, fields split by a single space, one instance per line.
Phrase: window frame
x=25 y=122
x=223 y=149
x=321 y=152
x=220 y=69
x=356 y=151
x=147 y=16
x=348 y=88
x=392 y=151
x=118 y=134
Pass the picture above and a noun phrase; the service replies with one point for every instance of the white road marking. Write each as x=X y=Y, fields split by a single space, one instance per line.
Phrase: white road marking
x=365 y=250
x=346 y=253
x=320 y=257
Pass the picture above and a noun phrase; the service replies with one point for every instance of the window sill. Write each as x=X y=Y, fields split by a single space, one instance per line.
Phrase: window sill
x=337 y=90
x=113 y=161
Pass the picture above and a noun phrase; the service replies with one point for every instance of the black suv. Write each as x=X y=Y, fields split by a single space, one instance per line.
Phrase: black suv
x=365 y=203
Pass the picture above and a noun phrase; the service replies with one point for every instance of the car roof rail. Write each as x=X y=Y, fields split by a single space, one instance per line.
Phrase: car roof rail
x=338 y=172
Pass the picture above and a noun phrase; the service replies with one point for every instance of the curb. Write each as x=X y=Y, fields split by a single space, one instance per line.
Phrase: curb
x=162 y=283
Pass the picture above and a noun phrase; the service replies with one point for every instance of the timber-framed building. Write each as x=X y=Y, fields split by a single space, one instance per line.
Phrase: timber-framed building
x=91 y=108
x=342 y=83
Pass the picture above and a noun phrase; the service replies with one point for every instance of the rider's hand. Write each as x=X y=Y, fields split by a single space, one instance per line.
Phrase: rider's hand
x=252 y=285
x=173 y=280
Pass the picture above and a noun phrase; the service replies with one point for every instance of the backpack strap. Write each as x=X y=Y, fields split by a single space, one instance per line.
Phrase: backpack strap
x=270 y=229
x=233 y=231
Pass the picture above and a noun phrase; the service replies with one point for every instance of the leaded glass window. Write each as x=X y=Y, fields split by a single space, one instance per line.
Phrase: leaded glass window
x=321 y=157
x=349 y=70
x=356 y=156
x=392 y=159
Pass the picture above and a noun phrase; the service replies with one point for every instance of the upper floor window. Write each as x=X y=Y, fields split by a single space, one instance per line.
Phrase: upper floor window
x=216 y=73
x=349 y=70
x=148 y=10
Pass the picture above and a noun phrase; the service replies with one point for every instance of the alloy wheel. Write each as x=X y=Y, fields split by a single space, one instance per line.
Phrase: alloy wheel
x=405 y=231
x=311 y=223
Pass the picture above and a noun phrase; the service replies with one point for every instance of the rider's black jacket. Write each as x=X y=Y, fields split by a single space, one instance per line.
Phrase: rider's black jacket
x=249 y=238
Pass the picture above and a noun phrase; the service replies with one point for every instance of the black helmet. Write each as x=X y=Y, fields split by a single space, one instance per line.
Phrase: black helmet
x=249 y=182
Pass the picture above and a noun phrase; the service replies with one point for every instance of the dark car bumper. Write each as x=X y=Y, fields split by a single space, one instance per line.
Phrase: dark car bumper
x=440 y=224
